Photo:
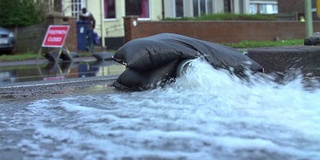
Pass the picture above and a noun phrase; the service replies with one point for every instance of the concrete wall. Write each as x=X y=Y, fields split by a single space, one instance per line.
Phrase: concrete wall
x=220 y=31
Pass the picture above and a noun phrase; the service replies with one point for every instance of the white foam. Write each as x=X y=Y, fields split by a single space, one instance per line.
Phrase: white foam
x=206 y=114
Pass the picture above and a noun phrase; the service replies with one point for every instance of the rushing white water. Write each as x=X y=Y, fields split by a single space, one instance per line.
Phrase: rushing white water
x=206 y=114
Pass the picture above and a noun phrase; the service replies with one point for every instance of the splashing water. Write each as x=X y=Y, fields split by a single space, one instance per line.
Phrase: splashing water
x=205 y=114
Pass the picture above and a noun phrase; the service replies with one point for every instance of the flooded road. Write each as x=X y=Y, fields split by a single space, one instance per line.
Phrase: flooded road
x=206 y=114
x=57 y=71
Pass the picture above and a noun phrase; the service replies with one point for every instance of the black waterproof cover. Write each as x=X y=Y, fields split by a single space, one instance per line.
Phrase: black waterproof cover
x=144 y=57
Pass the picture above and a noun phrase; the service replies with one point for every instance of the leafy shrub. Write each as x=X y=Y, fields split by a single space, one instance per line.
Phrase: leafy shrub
x=21 y=12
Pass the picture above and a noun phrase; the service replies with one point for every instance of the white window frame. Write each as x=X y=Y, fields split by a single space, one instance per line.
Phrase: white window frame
x=82 y=5
x=253 y=8
x=268 y=4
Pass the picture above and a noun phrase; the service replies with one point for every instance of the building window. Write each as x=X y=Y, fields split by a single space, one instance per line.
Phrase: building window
x=227 y=6
x=138 y=7
x=263 y=8
x=109 y=9
x=209 y=6
x=76 y=6
x=275 y=8
x=179 y=8
x=195 y=8
x=253 y=8
x=202 y=7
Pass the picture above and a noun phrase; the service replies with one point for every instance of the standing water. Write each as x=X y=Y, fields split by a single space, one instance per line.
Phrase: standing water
x=205 y=114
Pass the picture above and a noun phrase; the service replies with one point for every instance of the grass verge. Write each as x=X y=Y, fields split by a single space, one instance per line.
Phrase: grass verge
x=256 y=44
x=18 y=57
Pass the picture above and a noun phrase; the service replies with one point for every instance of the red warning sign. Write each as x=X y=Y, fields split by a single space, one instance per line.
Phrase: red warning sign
x=55 y=36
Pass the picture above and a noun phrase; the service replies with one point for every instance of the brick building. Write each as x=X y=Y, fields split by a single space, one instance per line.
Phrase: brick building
x=296 y=6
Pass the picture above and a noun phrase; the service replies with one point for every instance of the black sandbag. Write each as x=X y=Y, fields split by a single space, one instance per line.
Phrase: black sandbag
x=154 y=59
x=220 y=56
x=58 y=54
x=52 y=56
x=150 y=52
x=131 y=79
x=66 y=56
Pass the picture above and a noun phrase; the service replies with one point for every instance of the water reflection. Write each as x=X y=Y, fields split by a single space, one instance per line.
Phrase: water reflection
x=58 y=71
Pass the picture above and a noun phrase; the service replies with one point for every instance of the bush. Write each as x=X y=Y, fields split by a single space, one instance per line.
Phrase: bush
x=21 y=13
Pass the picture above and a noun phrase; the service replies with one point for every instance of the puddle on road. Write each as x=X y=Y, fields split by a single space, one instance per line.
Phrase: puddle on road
x=58 y=71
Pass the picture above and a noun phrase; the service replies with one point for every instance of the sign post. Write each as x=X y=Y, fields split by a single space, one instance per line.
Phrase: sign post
x=55 y=37
x=308 y=16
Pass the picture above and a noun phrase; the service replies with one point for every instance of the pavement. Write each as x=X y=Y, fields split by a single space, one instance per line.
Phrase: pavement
x=59 y=87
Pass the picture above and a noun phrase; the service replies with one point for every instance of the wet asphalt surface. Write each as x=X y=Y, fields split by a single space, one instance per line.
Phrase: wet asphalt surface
x=16 y=96
x=61 y=87
x=38 y=89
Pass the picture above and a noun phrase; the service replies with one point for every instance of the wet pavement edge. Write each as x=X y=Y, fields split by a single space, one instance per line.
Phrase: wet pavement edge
x=40 y=89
